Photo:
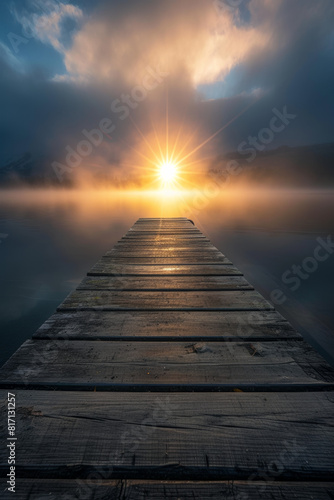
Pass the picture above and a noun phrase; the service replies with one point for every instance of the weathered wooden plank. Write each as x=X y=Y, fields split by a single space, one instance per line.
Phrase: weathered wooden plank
x=189 y=260
x=165 y=229
x=162 y=218
x=167 y=234
x=180 y=260
x=166 y=253
x=161 y=225
x=162 y=221
x=157 y=232
x=176 y=435
x=194 y=283
x=158 y=251
x=162 y=230
x=224 y=366
x=56 y=489
x=125 y=489
x=164 y=237
x=109 y=267
x=169 y=251
x=165 y=221
x=164 y=244
x=185 y=300
x=157 y=227
x=168 y=325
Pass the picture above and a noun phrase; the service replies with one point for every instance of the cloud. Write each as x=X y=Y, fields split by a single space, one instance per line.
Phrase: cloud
x=45 y=24
x=123 y=39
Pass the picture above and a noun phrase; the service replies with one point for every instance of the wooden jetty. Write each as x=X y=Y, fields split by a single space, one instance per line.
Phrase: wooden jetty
x=166 y=375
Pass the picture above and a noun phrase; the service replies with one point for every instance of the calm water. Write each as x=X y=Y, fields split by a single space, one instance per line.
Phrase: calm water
x=50 y=239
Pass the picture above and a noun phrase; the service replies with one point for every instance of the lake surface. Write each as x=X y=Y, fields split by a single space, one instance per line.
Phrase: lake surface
x=49 y=239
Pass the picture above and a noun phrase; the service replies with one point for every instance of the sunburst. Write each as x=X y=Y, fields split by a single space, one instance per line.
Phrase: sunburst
x=170 y=162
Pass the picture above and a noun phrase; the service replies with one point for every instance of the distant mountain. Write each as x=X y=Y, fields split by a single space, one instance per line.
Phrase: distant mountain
x=16 y=169
x=27 y=170
x=304 y=166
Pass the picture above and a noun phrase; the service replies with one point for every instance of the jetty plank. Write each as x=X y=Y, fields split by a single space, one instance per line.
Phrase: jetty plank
x=185 y=259
x=125 y=489
x=109 y=267
x=185 y=300
x=192 y=260
x=198 y=283
x=178 y=435
x=165 y=253
x=172 y=242
x=163 y=227
x=188 y=234
x=281 y=365
x=158 y=247
x=152 y=232
x=164 y=236
x=167 y=325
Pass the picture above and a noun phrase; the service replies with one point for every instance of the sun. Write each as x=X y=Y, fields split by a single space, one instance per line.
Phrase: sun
x=167 y=172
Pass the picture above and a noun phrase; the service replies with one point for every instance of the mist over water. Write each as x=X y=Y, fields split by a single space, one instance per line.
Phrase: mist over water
x=51 y=238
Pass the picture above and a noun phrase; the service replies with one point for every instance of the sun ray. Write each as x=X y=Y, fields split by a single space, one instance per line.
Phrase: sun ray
x=167 y=125
x=185 y=145
x=157 y=140
x=146 y=141
x=169 y=158
x=176 y=142
x=218 y=131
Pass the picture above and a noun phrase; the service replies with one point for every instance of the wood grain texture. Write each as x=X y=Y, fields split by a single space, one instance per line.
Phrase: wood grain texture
x=185 y=300
x=164 y=237
x=182 y=259
x=197 y=261
x=176 y=435
x=164 y=227
x=108 y=267
x=98 y=488
x=280 y=365
x=195 y=283
x=166 y=253
x=152 y=232
x=164 y=222
x=157 y=247
x=149 y=231
x=168 y=325
x=165 y=243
